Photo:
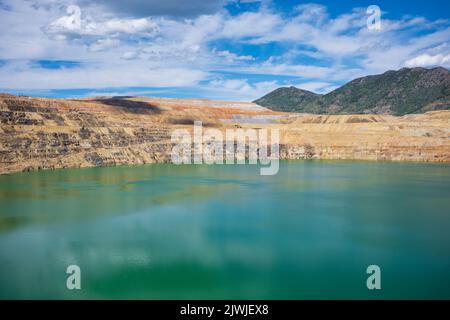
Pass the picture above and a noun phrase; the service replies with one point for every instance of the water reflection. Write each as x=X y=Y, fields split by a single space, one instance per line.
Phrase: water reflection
x=162 y=231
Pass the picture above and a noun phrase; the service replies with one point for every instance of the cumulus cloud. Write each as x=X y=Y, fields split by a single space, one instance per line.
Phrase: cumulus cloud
x=74 y=24
x=427 y=60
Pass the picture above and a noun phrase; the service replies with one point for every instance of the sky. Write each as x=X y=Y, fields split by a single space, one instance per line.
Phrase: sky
x=217 y=49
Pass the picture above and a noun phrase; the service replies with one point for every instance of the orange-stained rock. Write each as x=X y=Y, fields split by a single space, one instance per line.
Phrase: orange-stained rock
x=39 y=133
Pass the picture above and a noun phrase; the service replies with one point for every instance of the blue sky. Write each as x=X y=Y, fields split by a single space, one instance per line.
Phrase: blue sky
x=218 y=49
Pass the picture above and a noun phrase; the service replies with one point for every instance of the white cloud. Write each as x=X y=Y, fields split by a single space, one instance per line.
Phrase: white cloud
x=317 y=87
x=314 y=48
x=311 y=13
x=20 y=75
x=304 y=71
x=130 y=55
x=104 y=44
x=74 y=24
x=426 y=60
x=239 y=89
x=250 y=24
x=431 y=57
x=231 y=57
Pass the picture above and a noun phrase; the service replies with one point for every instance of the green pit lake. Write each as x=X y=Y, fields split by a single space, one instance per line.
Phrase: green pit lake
x=225 y=232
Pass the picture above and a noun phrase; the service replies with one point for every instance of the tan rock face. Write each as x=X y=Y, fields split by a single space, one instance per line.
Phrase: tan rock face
x=37 y=133
x=422 y=137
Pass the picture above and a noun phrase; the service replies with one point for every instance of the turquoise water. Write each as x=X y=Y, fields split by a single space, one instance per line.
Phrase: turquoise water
x=215 y=232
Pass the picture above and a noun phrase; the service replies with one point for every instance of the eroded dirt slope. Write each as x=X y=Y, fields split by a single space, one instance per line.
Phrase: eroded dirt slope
x=38 y=133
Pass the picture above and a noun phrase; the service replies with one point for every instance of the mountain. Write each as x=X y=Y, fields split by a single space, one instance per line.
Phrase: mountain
x=288 y=99
x=408 y=90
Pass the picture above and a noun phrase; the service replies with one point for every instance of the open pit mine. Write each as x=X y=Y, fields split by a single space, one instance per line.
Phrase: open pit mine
x=42 y=133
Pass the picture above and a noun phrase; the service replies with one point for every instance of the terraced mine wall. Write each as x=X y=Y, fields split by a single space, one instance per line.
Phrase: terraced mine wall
x=47 y=135
x=37 y=133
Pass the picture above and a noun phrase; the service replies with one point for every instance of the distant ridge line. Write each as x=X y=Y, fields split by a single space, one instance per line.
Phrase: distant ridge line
x=405 y=91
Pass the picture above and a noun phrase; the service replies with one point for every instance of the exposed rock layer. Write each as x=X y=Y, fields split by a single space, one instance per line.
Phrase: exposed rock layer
x=39 y=133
